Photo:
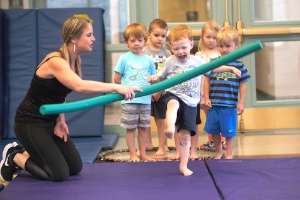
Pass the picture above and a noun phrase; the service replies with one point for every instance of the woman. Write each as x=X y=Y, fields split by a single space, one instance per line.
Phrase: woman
x=47 y=152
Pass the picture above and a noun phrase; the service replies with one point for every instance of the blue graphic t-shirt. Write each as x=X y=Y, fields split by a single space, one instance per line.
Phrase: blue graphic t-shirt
x=135 y=70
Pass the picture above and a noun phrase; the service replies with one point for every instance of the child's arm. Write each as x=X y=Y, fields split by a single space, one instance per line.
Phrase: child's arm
x=241 y=103
x=225 y=68
x=205 y=101
x=117 y=78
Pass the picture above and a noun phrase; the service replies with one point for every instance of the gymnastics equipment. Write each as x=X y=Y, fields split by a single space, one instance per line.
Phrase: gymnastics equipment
x=48 y=109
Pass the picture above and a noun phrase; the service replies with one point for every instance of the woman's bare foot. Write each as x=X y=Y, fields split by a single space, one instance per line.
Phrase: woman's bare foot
x=186 y=171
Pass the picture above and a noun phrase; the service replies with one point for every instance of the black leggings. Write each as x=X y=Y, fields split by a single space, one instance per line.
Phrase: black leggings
x=50 y=157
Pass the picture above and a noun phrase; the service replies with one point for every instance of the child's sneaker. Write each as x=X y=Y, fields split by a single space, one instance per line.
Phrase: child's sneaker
x=7 y=170
x=209 y=146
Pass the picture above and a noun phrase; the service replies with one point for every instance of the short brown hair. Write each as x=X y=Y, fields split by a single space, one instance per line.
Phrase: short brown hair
x=180 y=32
x=228 y=34
x=160 y=23
x=136 y=30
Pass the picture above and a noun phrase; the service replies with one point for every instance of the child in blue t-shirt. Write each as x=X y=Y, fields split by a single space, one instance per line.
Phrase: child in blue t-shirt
x=134 y=68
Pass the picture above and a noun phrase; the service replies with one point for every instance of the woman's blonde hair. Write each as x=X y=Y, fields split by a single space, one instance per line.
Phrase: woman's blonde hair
x=180 y=32
x=72 y=29
x=135 y=30
x=227 y=34
x=209 y=25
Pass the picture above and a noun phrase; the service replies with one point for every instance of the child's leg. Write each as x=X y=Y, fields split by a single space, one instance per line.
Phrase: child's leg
x=177 y=154
x=130 y=140
x=194 y=146
x=171 y=116
x=162 y=140
x=218 y=143
x=228 y=150
x=142 y=137
x=184 y=151
x=149 y=144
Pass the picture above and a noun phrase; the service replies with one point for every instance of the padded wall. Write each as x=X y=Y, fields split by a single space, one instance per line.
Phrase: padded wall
x=28 y=36
x=87 y=122
x=20 y=59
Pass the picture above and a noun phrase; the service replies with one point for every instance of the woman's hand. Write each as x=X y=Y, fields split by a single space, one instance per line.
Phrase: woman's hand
x=128 y=91
x=61 y=129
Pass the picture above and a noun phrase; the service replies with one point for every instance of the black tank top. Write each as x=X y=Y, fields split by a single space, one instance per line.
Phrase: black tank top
x=41 y=91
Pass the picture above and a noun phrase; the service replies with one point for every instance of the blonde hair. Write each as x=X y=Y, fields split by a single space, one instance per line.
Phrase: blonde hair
x=227 y=34
x=135 y=30
x=160 y=23
x=179 y=32
x=72 y=29
x=209 y=25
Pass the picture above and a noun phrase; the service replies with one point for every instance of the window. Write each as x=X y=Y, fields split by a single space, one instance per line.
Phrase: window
x=116 y=15
x=186 y=11
x=278 y=71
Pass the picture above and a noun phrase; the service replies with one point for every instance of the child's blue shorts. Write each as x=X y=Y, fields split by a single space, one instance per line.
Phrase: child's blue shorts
x=221 y=120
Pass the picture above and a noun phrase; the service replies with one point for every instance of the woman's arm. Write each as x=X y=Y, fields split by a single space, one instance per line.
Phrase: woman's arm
x=61 y=129
x=61 y=70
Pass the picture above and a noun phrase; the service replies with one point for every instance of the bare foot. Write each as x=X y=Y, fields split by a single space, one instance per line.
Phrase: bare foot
x=218 y=157
x=228 y=157
x=134 y=158
x=160 y=152
x=174 y=157
x=194 y=155
x=186 y=171
x=147 y=158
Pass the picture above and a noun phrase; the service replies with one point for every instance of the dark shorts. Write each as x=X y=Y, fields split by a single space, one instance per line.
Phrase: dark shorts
x=198 y=117
x=158 y=109
x=186 y=115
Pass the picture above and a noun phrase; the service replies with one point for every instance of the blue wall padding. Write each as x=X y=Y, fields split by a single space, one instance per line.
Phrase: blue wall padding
x=1 y=75
x=20 y=59
x=27 y=36
x=89 y=122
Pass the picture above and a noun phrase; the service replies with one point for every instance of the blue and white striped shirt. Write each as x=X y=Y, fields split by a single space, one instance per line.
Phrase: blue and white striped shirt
x=224 y=86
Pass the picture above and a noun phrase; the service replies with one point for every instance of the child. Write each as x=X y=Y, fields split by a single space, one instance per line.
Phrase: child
x=224 y=101
x=157 y=34
x=134 y=68
x=181 y=100
x=208 y=51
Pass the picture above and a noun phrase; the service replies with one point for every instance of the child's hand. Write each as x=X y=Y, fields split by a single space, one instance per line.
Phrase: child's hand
x=156 y=96
x=205 y=104
x=236 y=71
x=153 y=79
x=240 y=108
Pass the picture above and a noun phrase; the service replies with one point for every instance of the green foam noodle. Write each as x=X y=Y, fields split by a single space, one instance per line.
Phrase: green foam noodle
x=48 y=109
